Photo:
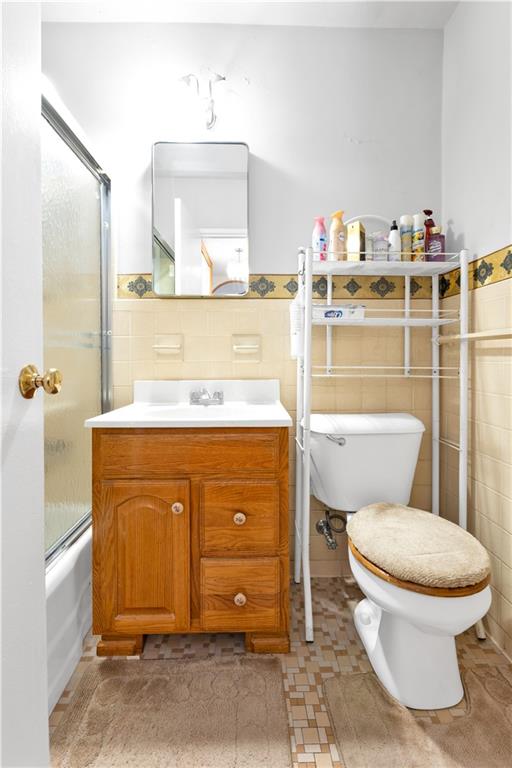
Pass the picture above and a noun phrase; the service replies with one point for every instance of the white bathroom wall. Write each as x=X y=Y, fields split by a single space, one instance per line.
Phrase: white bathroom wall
x=477 y=180
x=333 y=118
x=477 y=129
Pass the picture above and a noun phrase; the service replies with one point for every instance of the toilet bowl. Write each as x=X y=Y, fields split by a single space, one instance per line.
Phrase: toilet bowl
x=408 y=628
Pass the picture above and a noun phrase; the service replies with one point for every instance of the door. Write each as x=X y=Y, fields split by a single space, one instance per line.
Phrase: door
x=75 y=223
x=141 y=569
x=24 y=716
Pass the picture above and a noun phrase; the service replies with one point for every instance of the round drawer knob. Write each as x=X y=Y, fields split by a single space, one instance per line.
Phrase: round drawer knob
x=239 y=518
x=177 y=507
x=240 y=599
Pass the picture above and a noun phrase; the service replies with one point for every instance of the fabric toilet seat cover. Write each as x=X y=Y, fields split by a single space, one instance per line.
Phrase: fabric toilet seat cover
x=417 y=546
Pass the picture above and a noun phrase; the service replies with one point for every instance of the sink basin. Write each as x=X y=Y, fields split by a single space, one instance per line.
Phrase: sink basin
x=166 y=404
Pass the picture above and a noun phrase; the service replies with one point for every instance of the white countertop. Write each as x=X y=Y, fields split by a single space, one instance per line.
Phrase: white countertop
x=160 y=404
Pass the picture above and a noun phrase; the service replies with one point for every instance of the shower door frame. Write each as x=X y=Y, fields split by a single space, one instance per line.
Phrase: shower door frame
x=50 y=114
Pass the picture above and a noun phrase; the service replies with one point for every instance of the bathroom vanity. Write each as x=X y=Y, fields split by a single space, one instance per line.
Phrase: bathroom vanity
x=190 y=515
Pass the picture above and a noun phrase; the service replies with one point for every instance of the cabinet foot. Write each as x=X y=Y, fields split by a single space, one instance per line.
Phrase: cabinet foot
x=267 y=643
x=120 y=645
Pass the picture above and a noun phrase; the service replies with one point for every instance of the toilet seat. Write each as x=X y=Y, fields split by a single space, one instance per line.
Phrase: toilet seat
x=421 y=551
x=411 y=586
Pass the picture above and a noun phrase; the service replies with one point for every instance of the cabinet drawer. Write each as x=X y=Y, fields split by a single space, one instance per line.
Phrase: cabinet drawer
x=240 y=595
x=239 y=517
x=166 y=452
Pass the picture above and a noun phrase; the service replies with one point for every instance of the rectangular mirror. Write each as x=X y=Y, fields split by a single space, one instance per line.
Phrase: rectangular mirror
x=200 y=219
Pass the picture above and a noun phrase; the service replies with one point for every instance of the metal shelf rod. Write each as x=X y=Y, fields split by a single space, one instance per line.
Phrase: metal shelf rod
x=463 y=390
x=306 y=442
x=328 y=328
x=448 y=443
x=378 y=376
x=389 y=367
x=299 y=452
x=436 y=402
x=407 y=329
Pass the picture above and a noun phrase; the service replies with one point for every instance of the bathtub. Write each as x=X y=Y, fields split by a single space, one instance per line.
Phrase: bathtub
x=68 y=613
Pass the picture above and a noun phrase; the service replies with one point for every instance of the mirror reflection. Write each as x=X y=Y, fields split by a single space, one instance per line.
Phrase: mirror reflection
x=200 y=219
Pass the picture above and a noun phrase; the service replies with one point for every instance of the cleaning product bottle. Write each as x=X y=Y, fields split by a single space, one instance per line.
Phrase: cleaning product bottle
x=429 y=224
x=380 y=246
x=436 y=247
x=418 y=237
x=406 y=236
x=337 y=238
x=394 y=253
x=319 y=241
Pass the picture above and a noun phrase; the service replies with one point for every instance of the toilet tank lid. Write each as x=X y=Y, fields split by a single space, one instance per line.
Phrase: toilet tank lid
x=365 y=424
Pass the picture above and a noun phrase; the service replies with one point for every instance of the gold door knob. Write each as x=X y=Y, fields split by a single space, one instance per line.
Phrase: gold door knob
x=239 y=518
x=240 y=599
x=30 y=380
x=177 y=507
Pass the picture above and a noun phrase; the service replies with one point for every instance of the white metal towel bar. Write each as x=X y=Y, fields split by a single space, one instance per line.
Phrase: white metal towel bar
x=499 y=333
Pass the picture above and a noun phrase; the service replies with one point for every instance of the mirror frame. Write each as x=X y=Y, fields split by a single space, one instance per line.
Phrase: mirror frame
x=196 y=296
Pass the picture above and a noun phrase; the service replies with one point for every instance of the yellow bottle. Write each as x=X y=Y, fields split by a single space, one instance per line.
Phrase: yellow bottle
x=337 y=238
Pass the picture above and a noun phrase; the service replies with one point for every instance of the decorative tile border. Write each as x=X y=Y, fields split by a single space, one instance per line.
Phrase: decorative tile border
x=285 y=287
x=489 y=269
x=135 y=287
x=493 y=268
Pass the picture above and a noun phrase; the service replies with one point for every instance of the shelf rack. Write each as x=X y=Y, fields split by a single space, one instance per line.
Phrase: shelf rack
x=309 y=267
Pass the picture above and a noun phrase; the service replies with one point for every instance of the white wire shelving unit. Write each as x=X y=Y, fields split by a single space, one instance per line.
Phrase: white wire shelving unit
x=408 y=318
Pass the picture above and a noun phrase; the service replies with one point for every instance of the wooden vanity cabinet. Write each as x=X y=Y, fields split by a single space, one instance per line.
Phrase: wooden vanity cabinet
x=190 y=534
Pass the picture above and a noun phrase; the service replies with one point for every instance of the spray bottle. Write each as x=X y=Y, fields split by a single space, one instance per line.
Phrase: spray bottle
x=319 y=239
x=418 y=237
x=394 y=253
x=406 y=236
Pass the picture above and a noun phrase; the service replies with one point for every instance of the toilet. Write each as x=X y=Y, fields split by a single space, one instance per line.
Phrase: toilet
x=425 y=579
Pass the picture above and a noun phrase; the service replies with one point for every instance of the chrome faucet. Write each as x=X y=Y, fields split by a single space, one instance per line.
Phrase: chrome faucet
x=204 y=397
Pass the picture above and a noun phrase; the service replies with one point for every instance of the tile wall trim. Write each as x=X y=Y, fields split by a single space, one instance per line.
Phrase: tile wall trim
x=487 y=270
x=493 y=268
x=268 y=286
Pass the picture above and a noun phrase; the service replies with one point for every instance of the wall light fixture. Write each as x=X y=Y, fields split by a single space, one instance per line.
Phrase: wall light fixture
x=204 y=88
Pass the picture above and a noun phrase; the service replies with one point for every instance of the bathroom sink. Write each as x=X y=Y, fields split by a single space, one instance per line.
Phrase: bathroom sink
x=167 y=404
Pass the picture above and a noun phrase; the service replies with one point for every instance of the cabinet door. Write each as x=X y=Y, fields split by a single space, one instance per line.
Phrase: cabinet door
x=141 y=556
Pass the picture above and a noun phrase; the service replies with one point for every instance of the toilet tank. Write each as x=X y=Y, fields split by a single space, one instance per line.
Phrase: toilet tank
x=363 y=458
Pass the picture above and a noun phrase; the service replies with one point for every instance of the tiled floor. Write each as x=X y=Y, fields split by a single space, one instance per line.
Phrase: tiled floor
x=336 y=649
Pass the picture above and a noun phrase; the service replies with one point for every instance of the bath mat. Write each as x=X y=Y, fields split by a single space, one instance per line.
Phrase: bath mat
x=212 y=713
x=372 y=729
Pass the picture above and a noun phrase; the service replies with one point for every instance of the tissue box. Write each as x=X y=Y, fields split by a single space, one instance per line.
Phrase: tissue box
x=338 y=312
x=356 y=241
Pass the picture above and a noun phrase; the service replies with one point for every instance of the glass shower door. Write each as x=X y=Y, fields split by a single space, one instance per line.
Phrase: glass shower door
x=75 y=315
